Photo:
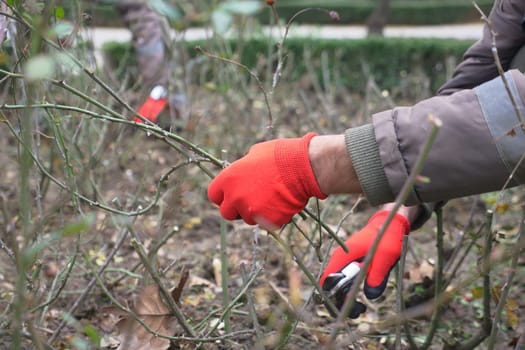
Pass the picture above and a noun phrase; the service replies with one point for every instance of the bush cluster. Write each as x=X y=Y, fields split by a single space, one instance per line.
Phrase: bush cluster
x=388 y=60
x=406 y=12
x=403 y=12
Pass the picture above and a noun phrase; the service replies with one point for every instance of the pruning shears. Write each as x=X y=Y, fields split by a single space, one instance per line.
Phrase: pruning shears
x=337 y=285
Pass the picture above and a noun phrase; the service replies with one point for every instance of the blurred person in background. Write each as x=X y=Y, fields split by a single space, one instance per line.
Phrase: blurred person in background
x=150 y=39
x=478 y=149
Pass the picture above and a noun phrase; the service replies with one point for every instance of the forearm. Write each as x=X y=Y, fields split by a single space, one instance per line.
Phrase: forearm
x=331 y=165
x=475 y=151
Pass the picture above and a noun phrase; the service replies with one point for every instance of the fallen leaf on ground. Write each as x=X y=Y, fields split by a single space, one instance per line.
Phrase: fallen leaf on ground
x=177 y=291
x=150 y=308
x=418 y=273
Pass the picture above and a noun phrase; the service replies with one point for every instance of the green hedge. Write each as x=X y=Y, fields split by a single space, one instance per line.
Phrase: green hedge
x=390 y=60
x=409 y=12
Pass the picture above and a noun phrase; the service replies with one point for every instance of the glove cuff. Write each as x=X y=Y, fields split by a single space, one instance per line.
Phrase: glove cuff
x=398 y=220
x=293 y=163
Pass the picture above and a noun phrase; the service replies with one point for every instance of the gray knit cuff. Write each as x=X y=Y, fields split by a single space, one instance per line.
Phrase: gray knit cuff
x=364 y=152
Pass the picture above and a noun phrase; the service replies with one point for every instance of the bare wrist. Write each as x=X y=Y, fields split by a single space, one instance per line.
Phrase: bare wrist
x=332 y=166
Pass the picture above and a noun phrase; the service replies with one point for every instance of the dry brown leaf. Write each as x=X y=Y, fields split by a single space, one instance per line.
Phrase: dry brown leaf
x=217 y=271
x=109 y=316
x=154 y=313
x=419 y=273
x=177 y=291
x=512 y=317
x=199 y=281
x=295 y=282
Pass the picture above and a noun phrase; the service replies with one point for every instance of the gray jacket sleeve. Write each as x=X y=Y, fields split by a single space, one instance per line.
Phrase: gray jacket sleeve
x=478 y=65
x=383 y=163
x=477 y=149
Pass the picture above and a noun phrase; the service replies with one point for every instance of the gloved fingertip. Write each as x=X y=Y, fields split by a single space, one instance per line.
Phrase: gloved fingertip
x=375 y=292
x=215 y=194
x=357 y=309
x=229 y=213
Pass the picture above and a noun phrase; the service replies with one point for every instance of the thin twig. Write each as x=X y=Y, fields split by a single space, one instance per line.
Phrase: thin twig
x=449 y=294
x=400 y=298
x=97 y=204
x=516 y=252
x=252 y=74
x=466 y=227
x=160 y=335
x=224 y=264
x=122 y=237
x=438 y=281
x=484 y=331
x=330 y=232
x=52 y=298
x=170 y=303
x=251 y=307
x=235 y=300
x=280 y=45
x=501 y=72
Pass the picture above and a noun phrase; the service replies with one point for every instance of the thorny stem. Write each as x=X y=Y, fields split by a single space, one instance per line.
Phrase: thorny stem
x=52 y=298
x=251 y=307
x=438 y=283
x=91 y=284
x=403 y=195
x=508 y=283
x=224 y=267
x=6 y=249
x=400 y=299
x=447 y=296
x=459 y=262
x=26 y=165
x=97 y=204
x=497 y=60
x=486 y=327
x=234 y=301
x=170 y=303
x=280 y=59
x=461 y=239
x=113 y=117
x=332 y=234
x=19 y=17
x=487 y=324
x=61 y=144
x=303 y=268
x=160 y=335
x=152 y=251
x=252 y=74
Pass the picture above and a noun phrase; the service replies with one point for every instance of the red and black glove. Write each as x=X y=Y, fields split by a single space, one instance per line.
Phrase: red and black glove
x=269 y=185
x=384 y=259
x=153 y=106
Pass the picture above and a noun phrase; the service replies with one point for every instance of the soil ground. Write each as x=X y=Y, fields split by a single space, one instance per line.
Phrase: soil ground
x=124 y=174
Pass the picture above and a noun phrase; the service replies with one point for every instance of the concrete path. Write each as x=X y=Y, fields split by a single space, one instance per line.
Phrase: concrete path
x=470 y=31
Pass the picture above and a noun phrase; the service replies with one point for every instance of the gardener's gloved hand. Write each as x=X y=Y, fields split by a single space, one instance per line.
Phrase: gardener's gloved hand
x=386 y=256
x=269 y=185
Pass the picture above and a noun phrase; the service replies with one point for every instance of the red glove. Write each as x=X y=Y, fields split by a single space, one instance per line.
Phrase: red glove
x=386 y=256
x=269 y=185
x=153 y=106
